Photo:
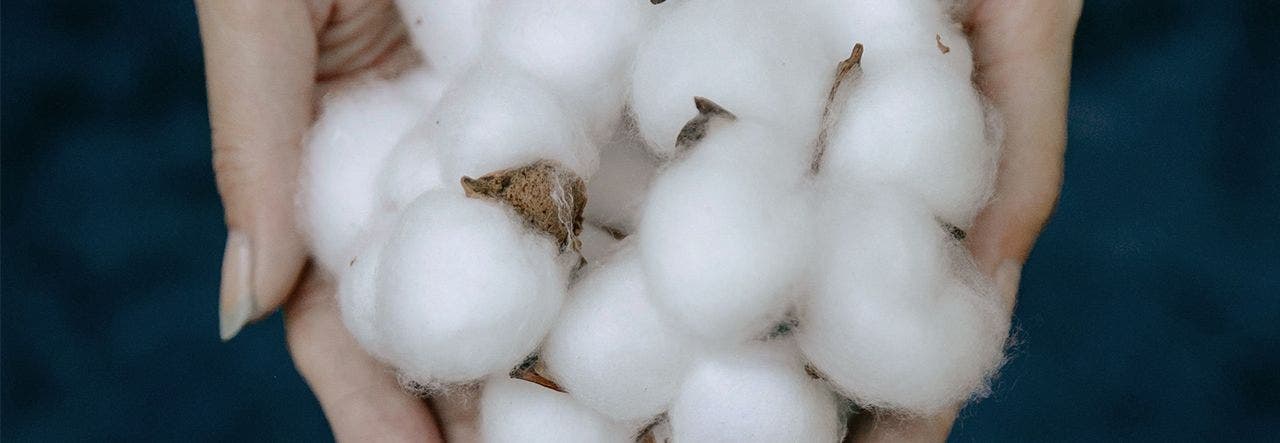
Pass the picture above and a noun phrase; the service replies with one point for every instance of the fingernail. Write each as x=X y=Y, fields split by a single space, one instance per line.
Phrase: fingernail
x=1007 y=278
x=236 y=304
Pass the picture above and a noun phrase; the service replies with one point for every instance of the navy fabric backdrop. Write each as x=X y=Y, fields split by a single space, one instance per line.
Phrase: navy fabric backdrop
x=1149 y=310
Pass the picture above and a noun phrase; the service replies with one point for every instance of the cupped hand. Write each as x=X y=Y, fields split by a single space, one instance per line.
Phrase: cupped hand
x=266 y=64
x=1022 y=55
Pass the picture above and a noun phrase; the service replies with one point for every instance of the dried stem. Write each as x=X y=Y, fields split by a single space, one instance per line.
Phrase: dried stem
x=696 y=128
x=848 y=69
x=647 y=435
x=531 y=371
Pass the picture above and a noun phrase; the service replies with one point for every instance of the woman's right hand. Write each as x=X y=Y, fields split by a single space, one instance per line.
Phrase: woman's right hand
x=266 y=65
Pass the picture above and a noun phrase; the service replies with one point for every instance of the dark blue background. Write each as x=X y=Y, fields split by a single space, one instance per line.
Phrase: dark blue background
x=1150 y=309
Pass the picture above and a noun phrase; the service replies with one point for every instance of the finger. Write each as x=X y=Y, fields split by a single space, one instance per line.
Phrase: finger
x=881 y=428
x=362 y=36
x=359 y=396
x=1022 y=51
x=260 y=59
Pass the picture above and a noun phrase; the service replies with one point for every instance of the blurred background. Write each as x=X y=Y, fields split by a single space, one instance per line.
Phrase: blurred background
x=1149 y=310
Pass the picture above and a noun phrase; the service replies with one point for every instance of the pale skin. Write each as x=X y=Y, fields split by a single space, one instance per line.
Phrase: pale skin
x=268 y=62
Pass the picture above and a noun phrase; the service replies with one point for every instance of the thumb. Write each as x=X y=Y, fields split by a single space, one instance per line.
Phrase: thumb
x=1023 y=54
x=260 y=60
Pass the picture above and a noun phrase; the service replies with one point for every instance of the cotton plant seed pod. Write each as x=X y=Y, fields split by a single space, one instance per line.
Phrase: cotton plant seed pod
x=754 y=58
x=549 y=197
x=890 y=322
x=465 y=289
x=757 y=393
x=521 y=412
x=611 y=350
x=724 y=240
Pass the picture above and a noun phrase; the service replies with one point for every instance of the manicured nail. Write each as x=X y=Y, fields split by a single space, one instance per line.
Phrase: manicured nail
x=236 y=305
x=1007 y=277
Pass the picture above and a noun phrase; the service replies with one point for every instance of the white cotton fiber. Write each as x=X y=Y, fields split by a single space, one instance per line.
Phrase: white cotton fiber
x=597 y=243
x=412 y=168
x=357 y=289
x=921 y=129
x=580 y=48
x=726 y=232
x=344 y=154
x=497 y=118
x=611 y=350
x=619 y=187
x=893 y=32
x=755 y=58
x=447 y=32
x=424 y=84
x=757 y=394
x=889 y=322
x=518 y=411
x=464 y=289
x=913 y=118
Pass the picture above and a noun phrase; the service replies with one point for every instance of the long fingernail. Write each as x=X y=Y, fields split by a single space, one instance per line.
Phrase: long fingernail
x=236 y=305
x=1007 y=278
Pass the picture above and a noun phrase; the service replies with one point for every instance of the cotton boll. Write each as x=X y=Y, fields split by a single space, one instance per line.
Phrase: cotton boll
x=618 y=188
x=344 y=154
x=447 y=32
x=725 y=234
x=611 y=349
x=579 y=48
x=760 y=393
x=922 y=129
x=519 y=411
x=464 y=289
x=888 y=322
x=496 y=118
x=755 y=58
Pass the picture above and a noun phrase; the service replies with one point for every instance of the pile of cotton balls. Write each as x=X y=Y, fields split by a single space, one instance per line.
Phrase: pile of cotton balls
x=753 y=263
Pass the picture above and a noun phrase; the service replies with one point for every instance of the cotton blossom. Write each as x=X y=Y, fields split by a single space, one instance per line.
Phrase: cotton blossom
x=919 y=128
x=519 y=411
x=703 y=220
x=754 y=58
x=890 y=321
x=757 y=393
x=912 y=118
x=464 y=289
x=612 y=350
x=725 y=237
